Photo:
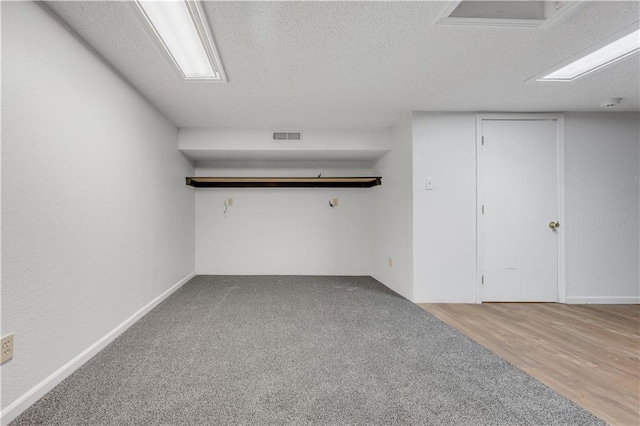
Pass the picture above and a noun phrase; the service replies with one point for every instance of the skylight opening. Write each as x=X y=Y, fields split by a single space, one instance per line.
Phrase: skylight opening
x=605 y=56
x=180 y=29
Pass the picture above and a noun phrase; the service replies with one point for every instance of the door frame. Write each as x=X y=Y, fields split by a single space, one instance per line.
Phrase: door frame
x=559 y=118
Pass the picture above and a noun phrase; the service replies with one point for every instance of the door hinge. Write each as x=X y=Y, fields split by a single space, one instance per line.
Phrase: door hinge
x=482 y=279
x=483 y=209
x=483 y=140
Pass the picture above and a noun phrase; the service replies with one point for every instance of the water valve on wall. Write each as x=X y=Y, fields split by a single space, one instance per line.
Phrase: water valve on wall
x=227 y=203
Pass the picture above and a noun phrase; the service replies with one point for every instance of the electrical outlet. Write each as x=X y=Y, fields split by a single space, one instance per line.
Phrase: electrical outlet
x=334 y=202
x=229 y=202
x=391 y=262
x=6 y=346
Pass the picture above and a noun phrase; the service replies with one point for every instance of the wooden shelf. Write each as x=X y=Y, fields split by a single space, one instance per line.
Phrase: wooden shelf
x=284 y=182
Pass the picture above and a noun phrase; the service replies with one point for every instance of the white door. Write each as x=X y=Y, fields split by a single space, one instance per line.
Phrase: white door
x=518 y=178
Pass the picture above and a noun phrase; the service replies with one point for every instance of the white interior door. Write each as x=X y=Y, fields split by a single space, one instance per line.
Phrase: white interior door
x=518 y=178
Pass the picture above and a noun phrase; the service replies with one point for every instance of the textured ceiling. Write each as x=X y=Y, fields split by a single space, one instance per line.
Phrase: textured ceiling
x=360 y=64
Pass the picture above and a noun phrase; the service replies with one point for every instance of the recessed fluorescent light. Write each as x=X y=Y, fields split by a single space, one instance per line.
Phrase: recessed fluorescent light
x=607 y=55
x=180 y=29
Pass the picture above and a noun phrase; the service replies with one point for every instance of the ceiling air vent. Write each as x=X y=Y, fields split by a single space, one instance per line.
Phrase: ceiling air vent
x=286 y=136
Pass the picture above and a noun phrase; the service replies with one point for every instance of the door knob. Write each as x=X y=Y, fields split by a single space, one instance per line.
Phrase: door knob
x=554 y=225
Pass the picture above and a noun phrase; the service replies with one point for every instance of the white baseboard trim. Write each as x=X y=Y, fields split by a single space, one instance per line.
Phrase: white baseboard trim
x=25 y=401
x=604 y=300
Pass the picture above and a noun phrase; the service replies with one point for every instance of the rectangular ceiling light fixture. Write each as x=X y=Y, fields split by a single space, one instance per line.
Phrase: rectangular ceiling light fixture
x=607 y=55
x=181 y=31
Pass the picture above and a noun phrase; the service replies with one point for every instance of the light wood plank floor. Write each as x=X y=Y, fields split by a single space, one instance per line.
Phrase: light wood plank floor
x=588 y=353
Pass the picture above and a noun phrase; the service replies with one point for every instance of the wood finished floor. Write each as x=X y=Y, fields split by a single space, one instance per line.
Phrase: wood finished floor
x=590 y=354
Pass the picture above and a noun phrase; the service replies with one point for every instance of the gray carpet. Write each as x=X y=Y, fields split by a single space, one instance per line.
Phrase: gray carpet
x=275 y=350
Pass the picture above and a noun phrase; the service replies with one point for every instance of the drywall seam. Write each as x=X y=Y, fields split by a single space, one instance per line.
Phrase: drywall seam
x=39 y=390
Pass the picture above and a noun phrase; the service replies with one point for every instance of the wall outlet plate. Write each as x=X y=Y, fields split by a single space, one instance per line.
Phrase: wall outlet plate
x=6 y=348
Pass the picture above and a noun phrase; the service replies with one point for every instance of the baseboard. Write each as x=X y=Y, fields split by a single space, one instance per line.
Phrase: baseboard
x=604 y=300
x=25 y=401
x=272 y=274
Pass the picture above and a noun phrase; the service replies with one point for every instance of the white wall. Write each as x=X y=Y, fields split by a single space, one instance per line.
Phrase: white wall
x=393 y=206
x=601 y=177
x=258 y=139
x=444 y=218
x=96 y=218
x=284 y=231
x=602 y=207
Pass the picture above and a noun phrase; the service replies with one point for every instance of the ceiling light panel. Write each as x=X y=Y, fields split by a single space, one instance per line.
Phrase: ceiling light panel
x=181 y=31
x=517 y=14
x=499 y=10
x=607 y=55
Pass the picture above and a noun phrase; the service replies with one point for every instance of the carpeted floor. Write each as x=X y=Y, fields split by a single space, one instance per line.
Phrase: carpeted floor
x=297 y=350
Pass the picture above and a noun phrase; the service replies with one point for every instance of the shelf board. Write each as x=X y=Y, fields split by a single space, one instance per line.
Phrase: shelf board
x=284 y=182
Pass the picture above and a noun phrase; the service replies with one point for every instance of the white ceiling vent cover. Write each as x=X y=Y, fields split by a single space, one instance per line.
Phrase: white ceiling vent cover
x=287 y=136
